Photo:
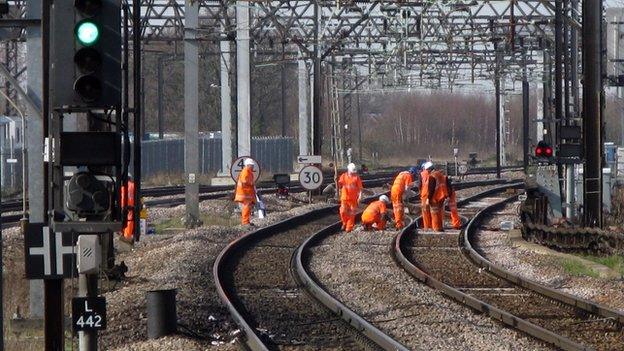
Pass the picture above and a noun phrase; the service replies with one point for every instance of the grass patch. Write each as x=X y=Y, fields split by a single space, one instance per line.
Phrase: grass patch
x=615 y=262
x=208 y=220
x=577 y=268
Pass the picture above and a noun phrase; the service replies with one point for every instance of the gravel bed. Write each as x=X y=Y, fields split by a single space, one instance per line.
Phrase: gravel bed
x=543 y=268
x=183 y=261
x=371 y=283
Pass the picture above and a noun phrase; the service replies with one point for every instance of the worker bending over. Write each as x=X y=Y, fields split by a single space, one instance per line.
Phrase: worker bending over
x=375 y=215
x=403 y=181
x=246 y=191
x=437 y=193
x=350 y=186
x=424 y=194
x=452 y=203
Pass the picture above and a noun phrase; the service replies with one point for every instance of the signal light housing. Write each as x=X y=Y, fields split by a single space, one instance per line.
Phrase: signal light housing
x=543 y=150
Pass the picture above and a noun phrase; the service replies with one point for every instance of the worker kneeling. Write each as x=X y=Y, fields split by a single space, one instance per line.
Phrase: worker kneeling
x=402 y=182
x=375 y=215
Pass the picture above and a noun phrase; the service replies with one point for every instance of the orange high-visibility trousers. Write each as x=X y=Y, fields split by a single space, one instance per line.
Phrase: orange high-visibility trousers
x=247 y=207
x=437 y=216
x=347 y=214
x=378 y=221
x=398 y=209
x=455 y=220
x=425 y=210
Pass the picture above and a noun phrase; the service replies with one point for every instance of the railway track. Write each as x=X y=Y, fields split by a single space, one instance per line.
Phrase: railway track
x=263 y=280
x=255 y=279
x=451 y=263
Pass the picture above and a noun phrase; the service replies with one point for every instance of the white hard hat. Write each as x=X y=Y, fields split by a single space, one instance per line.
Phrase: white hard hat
x=427 y=165
x=384 y=199
x=351 y=168
x=248 y=162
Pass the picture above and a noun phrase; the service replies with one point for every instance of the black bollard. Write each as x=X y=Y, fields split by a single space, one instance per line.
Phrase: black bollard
x=162 y=318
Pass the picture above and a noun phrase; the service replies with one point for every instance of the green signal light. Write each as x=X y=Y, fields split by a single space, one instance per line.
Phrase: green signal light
x=87 y=32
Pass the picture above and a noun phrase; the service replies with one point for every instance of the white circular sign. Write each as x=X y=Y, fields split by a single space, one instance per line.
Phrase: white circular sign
x=462 y=169
x=311 y=177
x=239 y=164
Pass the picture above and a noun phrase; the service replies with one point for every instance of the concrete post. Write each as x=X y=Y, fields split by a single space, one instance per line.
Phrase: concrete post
x=304 y=117
x=226 y=109
x=191 y=112
x=34 y=132
x=243 y=79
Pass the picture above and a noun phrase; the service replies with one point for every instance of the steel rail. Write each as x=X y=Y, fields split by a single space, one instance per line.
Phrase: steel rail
x=478 y=305
x=313 y=287
x=252 y=339
x=497 y=270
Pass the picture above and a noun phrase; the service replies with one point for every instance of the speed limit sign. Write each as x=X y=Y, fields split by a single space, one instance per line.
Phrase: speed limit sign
x=239 y=164
x=311 y=177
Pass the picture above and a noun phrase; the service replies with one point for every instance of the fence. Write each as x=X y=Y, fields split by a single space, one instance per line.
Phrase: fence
x=166 y=156
x=275 y=155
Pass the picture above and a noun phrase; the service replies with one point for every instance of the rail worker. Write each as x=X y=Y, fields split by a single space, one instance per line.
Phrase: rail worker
x=375 y=215
x=350 y=186
x=452 y=202
x=246 y=191
x=437 y=193
x=127 y=203
x=403 y=181
x=425 y=210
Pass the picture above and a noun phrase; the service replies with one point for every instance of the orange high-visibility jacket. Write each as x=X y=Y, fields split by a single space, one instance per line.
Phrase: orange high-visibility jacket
x=424 y=184
x=245 y=190
x=127 y=194
x=441 y=191
x=401 y=182
x=374 y=211
x=350 y=186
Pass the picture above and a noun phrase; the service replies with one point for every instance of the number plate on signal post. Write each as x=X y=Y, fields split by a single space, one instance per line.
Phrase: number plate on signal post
x=88 y=313
x=310 y=177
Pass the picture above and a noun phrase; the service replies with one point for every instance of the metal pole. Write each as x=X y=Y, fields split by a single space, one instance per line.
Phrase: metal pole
x=317 y=132
x=87 y=287
x=359 y=119
x=136 y=56
x=53 y=288
x=525 y=119
x=191 y=111
x=283 y=93
x=498 y=121
x=226 y=108
x=547 y=95
x=558 y=70
x=592 y=113
x=243 y=78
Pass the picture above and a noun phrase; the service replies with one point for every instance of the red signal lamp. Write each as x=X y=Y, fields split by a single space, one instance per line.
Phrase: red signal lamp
x=543 y=150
